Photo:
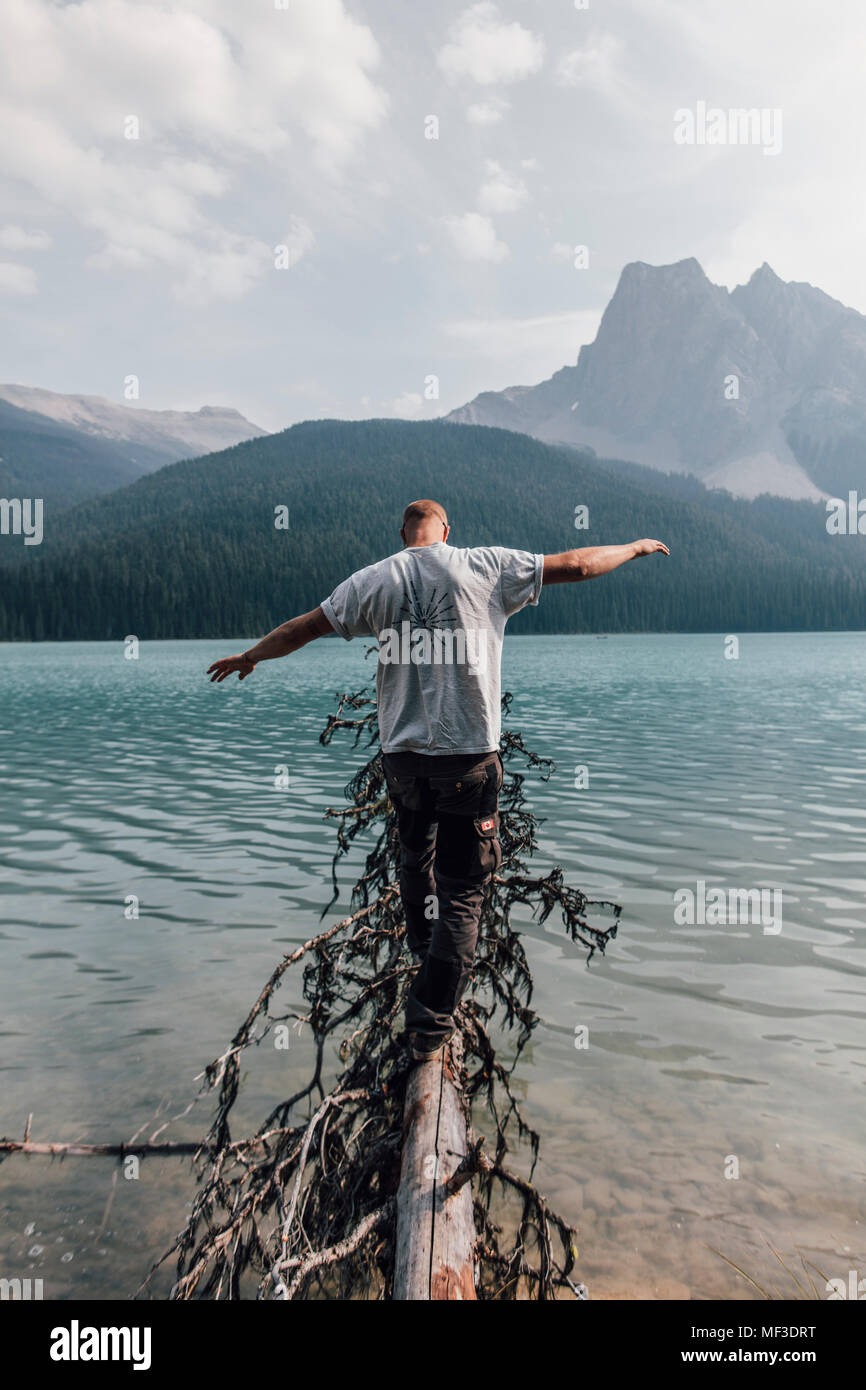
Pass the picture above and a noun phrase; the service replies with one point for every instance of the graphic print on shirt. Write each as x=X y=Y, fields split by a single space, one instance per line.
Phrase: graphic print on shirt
x=424 y=639
x=426 y=612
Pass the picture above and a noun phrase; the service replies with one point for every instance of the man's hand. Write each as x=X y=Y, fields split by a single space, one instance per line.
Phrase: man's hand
x=650 y=548
x=227 y=667
x=289 y=637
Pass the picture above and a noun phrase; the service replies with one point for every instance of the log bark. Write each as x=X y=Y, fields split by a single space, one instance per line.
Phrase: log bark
x=435 y=1237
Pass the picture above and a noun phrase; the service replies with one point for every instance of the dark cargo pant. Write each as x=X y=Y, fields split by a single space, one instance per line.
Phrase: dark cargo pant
x=448 y=823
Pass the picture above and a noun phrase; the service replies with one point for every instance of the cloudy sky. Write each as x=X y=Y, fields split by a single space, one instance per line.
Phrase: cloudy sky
x=153 y=156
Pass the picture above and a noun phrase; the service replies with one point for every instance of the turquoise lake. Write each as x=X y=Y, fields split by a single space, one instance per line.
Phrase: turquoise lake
x=713 y=1049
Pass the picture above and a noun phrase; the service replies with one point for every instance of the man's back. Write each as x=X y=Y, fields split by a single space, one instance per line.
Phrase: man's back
x=439 y=614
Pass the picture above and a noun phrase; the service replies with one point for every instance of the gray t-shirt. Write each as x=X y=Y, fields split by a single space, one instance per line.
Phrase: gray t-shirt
x=439 y=615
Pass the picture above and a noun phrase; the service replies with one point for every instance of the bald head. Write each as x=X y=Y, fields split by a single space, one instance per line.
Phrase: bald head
x=424 y=522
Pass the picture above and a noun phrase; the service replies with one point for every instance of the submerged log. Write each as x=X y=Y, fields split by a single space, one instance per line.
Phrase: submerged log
x=435 y=1237
x=75 y=1150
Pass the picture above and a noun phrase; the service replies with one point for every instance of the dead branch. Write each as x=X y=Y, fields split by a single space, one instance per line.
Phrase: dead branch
x=60 y=1150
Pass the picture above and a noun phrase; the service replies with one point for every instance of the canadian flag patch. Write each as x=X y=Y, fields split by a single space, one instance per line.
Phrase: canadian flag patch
x=487 y=824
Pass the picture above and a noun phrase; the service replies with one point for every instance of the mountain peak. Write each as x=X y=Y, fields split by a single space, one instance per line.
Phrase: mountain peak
x=762 y=281
x=174 y=432
x=93 y=445
x=759 y=389
x=688 y=271
x=222 y=412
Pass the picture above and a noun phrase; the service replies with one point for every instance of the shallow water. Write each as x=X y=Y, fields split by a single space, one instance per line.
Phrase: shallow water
x=711 y=1048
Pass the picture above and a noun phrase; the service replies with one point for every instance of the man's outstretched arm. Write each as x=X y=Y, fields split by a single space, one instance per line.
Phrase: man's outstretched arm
x=286 y=638
x=593 y=560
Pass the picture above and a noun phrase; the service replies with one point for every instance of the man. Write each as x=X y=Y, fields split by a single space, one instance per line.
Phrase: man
x=439 y=615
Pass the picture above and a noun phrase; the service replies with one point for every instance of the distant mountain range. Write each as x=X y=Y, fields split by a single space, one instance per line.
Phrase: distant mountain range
x=193 y=550
x=761 y=389
x=66 y=449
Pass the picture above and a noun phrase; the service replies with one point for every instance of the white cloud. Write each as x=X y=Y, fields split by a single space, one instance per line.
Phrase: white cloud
x=475 y=239
x=561 y=251
x=501 y=192
x=13 y=238
x=408 y=406
x=595 y=65
x=487 y=112
x=17 y=279
x=217 y=89
x=247 y=78
x=488 y=49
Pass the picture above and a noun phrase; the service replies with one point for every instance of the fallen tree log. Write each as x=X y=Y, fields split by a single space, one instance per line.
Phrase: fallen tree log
x=435 y=1236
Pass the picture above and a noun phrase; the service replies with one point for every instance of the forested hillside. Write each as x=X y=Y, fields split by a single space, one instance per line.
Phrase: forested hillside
x=192 y=550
